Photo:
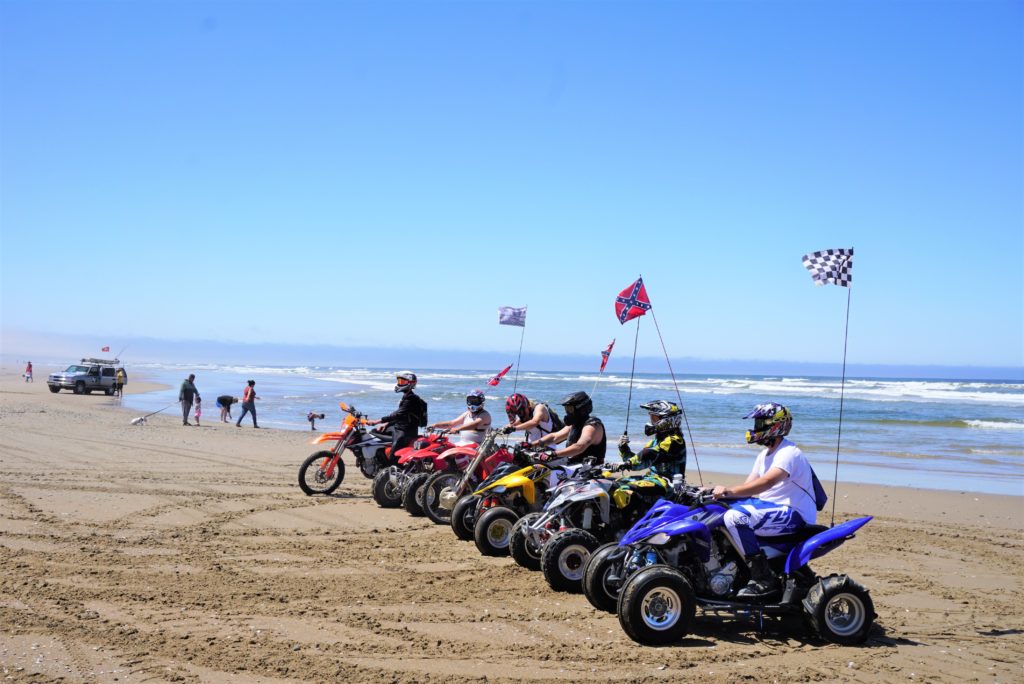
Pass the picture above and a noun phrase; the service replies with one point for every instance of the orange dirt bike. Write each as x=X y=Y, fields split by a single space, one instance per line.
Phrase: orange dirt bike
x=322 y=472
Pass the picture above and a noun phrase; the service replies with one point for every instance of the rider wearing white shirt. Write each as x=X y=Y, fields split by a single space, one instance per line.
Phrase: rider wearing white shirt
x=776 y=498
x=472 y=424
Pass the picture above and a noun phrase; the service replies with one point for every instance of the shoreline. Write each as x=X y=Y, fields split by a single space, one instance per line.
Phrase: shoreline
x=870 y=473
x=184 y=554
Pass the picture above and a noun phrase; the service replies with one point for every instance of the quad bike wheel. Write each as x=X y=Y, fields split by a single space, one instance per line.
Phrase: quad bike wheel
x=521 y=547
x=311 y=474
x=657 y=606
x=840 y=610
x=412 y=495
x=564 y=558
x=432 y=489
x=384 y=492
x=607 y=560
x=493 y=530
x=463 y=513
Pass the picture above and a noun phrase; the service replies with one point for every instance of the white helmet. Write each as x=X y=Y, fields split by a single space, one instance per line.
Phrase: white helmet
x=406 y=380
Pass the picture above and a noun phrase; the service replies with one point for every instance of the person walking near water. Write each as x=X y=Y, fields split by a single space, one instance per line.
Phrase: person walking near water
x=28 y=372
x=248 y=404
x=186 y=395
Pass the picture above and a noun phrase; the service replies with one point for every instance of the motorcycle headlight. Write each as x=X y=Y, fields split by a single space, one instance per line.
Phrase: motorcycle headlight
x=500 y=489
x=659 y=539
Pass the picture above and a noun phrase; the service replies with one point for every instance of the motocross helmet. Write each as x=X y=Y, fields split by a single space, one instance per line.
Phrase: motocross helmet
x=406 y=380
x=475 y=401
x=578 y=406
x=771 y=420
x=665 y=417
x=518 y=406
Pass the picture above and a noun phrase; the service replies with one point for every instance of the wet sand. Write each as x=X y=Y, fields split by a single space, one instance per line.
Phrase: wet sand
x=167 y=553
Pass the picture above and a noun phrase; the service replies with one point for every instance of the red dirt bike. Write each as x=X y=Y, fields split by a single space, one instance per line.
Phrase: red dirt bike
x=323 y=471
x=441 y=490
x=396 y=485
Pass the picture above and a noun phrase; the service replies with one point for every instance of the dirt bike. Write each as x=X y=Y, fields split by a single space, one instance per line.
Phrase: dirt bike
x=591 y=509
x=442 y=490
x=323 y=471
x=678 y=558
x=415 y=463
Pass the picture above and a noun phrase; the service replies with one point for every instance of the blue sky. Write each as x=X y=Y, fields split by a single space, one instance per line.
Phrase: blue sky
x=388 y=174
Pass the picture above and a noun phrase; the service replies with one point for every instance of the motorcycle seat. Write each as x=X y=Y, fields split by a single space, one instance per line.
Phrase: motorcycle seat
x=386 y=436
x=805 y=532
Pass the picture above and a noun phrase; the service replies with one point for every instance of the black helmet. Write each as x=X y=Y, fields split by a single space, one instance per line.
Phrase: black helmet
x=668 y=415
x=406 y=380
x=578 y=406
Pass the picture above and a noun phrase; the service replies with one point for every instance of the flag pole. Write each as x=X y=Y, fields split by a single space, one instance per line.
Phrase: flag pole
x=842 y=391
x=629 y=401
x=693 y=446
x=515 y=381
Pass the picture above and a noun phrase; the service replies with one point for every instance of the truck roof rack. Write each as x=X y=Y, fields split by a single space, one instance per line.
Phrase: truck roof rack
x=103 y=362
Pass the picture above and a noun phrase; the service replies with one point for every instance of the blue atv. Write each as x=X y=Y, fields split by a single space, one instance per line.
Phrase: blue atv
x=678 y=558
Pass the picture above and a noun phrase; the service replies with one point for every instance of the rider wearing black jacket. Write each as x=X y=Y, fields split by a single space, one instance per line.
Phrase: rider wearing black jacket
x=583 y=434
x=409 y=417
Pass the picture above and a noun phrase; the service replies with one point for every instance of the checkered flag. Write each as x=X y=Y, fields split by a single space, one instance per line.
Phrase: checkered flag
x=831 y=266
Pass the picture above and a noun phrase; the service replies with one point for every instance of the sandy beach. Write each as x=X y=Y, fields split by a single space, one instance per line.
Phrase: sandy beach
x=163 y=553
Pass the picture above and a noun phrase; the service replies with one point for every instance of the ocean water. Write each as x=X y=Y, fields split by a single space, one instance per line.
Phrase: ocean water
x=940 y=434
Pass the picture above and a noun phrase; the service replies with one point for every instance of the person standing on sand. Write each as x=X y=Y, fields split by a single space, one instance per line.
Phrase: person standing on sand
x=28 y=372
x=249 y=404
x=119 y=381
x=776 y=498
x=186 y=395
x=224 y=402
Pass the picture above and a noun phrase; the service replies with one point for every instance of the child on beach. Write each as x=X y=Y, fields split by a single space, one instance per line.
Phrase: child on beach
x=199 y=410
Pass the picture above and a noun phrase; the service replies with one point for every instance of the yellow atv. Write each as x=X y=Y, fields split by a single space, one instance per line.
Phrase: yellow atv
x=488 y=514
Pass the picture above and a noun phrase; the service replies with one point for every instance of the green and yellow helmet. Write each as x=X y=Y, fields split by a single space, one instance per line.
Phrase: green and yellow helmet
x=771 y=420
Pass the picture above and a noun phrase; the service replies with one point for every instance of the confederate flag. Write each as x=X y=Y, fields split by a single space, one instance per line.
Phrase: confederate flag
x=493 y=382
x=632 y=302
x=605 y=354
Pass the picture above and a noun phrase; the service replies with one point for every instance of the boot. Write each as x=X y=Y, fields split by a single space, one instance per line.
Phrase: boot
x=763 y=581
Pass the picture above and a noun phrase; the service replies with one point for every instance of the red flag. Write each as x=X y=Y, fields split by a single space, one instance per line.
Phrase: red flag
x=105 y=349
x=632 y=302
x=605 y=354
x=493 y=382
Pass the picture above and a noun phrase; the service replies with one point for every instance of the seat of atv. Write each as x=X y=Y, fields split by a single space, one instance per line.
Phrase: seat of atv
x=805 y=532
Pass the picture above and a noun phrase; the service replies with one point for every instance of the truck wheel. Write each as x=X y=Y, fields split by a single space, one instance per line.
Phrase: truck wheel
x=54 y=388
x=840 y=610
x=109 y=391
x=657 y=606
x=79 y=387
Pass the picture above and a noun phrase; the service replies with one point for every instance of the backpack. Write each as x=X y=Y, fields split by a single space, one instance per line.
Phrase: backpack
x=556 y=422
x=423 y=414
x=820 y=497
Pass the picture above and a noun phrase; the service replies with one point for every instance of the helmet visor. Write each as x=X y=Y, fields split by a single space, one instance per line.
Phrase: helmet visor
x=402 y=382
x=473 y=400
